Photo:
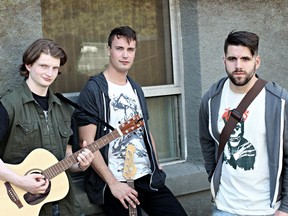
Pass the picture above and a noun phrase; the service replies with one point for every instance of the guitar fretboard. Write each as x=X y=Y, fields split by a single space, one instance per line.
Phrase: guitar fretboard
x=132 y=211
x=66 y=163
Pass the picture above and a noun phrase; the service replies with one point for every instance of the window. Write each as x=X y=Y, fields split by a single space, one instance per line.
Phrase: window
x=82 y=28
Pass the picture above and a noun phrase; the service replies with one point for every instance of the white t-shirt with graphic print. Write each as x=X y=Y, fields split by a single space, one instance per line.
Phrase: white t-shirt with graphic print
x=124 y=104
x=244 y=185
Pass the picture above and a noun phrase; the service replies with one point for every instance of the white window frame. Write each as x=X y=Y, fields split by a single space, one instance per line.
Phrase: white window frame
x=178 y=73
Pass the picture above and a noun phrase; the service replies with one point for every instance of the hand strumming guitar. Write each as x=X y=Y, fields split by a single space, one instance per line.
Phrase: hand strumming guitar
x=33 y=183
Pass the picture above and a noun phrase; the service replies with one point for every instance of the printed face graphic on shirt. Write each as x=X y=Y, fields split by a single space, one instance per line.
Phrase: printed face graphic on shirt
x=238 y=152
x=125 y=106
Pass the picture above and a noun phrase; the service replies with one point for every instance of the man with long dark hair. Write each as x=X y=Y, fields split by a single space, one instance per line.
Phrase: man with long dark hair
x=31 y=117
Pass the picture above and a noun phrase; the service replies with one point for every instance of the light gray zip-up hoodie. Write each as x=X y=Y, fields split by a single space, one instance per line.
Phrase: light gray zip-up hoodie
x=276 y=121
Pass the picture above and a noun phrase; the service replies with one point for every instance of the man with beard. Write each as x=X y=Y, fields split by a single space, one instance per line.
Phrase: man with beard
x=257 y=184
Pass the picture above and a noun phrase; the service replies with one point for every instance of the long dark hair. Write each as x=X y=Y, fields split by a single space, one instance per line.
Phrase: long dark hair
x=33 y=52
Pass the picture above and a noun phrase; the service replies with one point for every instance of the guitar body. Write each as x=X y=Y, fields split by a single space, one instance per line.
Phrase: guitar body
x=28 y=204
x=17 y=202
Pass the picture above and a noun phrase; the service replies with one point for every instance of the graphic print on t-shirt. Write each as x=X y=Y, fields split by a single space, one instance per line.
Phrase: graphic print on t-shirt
x=124 y=105
x=238 y=152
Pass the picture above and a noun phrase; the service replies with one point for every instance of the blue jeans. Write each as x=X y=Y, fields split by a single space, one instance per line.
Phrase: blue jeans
x=217 y=212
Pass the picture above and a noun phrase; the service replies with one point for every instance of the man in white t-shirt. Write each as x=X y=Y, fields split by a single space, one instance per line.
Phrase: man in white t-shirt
x=251 y=177
x=114 y=97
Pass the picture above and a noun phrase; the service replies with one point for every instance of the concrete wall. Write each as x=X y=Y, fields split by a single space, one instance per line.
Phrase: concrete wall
x=266 y=18
x=20 y=26
x=204 y=26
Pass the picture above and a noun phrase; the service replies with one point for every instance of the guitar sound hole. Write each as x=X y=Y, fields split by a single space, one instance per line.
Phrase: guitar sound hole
x=34 y=199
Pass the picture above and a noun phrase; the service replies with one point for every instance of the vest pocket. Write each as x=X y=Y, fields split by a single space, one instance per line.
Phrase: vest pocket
x=26 y=132
x=65 y=130
x=65 y=133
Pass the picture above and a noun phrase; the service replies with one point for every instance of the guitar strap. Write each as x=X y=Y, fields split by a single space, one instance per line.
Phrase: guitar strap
x=75 y=105
x=237 y=113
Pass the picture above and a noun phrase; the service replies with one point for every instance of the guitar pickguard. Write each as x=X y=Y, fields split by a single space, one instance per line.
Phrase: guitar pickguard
x=34 y=199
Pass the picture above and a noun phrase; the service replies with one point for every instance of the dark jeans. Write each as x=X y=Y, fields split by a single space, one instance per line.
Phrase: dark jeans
x=55 y=209
x=158 y=203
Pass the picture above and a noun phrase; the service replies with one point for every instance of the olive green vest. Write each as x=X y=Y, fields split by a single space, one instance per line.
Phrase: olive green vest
x=31 y=128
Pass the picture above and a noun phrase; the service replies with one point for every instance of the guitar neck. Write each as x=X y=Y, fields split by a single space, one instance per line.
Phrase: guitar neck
x=69 y=161
x=131 y=183
x=129 y=172
x=132 y=211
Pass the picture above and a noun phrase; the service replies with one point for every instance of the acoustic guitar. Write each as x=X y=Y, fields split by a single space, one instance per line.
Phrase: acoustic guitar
x=129 y=172
x=17 y=202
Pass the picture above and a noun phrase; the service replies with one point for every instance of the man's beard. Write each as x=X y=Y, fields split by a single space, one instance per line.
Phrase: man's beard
x=241 y=82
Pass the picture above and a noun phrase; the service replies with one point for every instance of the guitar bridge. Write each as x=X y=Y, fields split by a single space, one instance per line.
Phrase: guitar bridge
x=12 y=195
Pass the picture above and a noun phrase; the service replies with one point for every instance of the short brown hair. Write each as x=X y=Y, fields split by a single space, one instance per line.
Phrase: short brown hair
x=243 y=38
x=122 y=31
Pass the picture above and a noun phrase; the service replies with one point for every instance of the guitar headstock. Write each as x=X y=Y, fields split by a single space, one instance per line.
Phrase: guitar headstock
x=132 y=124
x=129 y=169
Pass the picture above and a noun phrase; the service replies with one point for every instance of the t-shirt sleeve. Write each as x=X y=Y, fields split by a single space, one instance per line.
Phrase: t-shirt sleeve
x=89 y=113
